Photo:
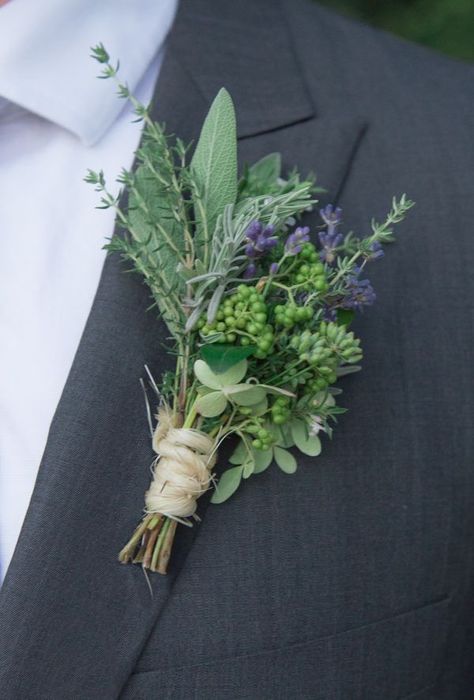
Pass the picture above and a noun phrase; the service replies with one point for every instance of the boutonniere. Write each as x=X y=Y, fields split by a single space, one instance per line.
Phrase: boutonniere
x=257 y=306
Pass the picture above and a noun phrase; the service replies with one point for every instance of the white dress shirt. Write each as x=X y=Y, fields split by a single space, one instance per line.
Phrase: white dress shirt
x=56 y=121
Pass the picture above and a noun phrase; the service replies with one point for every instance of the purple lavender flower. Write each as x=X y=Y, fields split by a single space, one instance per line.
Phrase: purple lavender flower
x=329 y=313
x=273 y=268
x=260 y=239
x=359 y=293
x=330 y=215
x=295 y=240
x=376 y=251
x=250 y=271
x=330 y=239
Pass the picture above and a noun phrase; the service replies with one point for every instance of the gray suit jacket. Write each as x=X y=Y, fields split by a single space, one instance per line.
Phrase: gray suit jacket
x=352 y=579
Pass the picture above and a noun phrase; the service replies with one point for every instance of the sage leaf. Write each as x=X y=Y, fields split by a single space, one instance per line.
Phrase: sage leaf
x=268 y=169
x=306 y=443
x=285 y=460
x=227 y=484
x=214 y=171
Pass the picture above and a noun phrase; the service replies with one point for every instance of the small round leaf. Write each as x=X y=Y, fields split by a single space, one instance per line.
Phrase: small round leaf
x=245 y=394
x=306 y=443
x=211 y=405
x=263 y=459
x=227 y=484
x=285 y=460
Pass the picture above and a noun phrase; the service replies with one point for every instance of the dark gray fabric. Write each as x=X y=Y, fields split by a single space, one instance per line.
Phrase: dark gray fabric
x=354 y=578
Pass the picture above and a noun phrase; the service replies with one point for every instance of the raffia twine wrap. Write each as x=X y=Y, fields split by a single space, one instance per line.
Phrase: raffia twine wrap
x=182 y=472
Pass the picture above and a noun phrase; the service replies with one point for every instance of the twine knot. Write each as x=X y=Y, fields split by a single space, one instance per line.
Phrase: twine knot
x=182 y=470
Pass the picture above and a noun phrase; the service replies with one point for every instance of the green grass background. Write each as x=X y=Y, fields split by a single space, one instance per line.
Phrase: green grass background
x=444 y=25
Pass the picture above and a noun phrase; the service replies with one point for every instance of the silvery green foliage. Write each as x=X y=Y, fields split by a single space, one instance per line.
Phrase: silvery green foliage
x=227 y=261
x=213 y=171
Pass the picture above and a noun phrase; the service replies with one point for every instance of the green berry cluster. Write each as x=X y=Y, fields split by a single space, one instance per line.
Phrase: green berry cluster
x=311 y=274
x=242 y=318
x=323 y=351
x=263 y=438
x=281 y=410
x=288 y=314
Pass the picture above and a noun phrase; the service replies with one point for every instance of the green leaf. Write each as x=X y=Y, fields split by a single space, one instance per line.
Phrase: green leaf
x=245 y=394
x=344 y=316
x=205 y=375
x=220 y=357
x=285 y=460
x=151 y=216
x=248 y=466
x=239 y=454
x=227 y=484
x=308 y=444
x=212 y=404
x=263 y=459
x=276 y=390
x=260 y=408
x=214 y=169
x=232 y=376
x=282 y=435
x=267 y=169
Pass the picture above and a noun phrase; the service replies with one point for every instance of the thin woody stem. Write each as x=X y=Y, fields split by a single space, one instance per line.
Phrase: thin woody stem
x=166 y=547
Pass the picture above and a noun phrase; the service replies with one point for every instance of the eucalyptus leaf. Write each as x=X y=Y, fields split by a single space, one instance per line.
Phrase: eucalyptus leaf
x=306 y=443
x=212 y=404
x=214 y=170
x=285 y=460
x=227 y=484
x=220 y=357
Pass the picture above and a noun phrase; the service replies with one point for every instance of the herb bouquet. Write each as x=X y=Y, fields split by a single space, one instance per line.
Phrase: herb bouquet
x=258 y=311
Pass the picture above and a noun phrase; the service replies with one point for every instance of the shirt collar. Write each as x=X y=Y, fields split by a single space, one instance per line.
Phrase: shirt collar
x=46 y=64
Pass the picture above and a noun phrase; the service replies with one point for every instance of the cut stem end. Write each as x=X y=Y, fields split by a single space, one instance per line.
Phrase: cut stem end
x=151 y=543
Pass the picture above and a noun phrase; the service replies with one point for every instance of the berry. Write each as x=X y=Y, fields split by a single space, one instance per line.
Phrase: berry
x=242 y=318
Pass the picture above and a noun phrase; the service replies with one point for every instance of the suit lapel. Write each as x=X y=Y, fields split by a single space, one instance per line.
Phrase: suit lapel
x=72 y=619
